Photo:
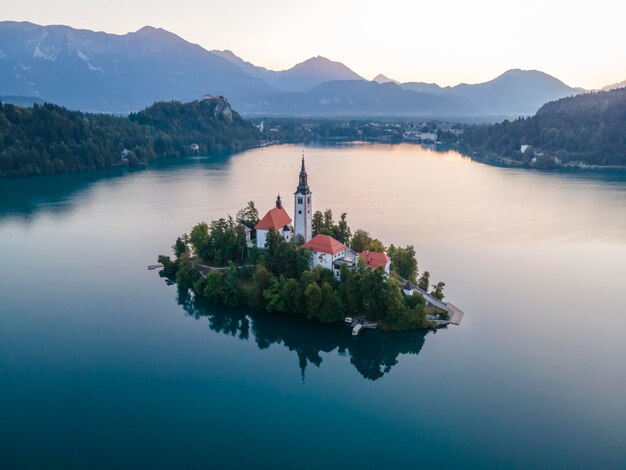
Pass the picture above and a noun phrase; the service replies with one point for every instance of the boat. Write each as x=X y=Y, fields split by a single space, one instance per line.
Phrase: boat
x=357 y=329
x=348 y=320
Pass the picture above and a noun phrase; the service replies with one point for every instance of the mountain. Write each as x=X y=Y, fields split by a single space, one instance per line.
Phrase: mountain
x=380 y=78
x=115 y=73
x=515 y=92
x=253 y=70
x=589 y=127
x=613 y=86
x=424 y=87
x=362 y=98
x=124 y=73
x=301 y=77
x=310 y=73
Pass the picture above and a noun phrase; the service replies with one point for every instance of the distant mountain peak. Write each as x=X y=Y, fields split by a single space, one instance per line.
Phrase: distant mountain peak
x=157 y=33
x=326 y=63
x=615 y=86
x=380 y=78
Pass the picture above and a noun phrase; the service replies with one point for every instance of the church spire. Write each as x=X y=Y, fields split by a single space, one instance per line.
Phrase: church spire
x=303 y=185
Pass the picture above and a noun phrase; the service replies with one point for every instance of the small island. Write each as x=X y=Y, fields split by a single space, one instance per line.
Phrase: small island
x=315 y=267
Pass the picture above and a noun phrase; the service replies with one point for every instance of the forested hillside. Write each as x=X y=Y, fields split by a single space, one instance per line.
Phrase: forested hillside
x=51 y=139
x=590 y=128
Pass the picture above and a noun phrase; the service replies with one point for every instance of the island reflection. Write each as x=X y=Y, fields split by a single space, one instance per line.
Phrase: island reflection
x=372 y=354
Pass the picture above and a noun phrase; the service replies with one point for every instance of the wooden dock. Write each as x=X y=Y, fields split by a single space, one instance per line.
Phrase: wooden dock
x=154 y=266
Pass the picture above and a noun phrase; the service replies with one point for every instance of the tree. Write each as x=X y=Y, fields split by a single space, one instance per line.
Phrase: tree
x=328 y=219
x=437 y=291
x=313 y=296
x=317 y=222
x=169 y=267
x=330 y=309
x=424 y=281
x=376 y=245
x=231 y=286
x=273 y=295
x=213 y=289
x=292 y=296
x=360 y=240
x=343 y=230
x=198 y=238
x=261 y=280
x=179 y=248
x=248 y=216
x=403 y=261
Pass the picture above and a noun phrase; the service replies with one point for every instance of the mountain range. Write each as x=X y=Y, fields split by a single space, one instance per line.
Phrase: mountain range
x=96 y=71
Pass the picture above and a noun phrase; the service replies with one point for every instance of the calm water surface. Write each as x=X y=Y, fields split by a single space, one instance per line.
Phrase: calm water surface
x=103 y=364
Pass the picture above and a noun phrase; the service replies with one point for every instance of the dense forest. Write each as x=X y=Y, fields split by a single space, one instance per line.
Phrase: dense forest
x=46 y=138
x=214 y=262
x=588 y=128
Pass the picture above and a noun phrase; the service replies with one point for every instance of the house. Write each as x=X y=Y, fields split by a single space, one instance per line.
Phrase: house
x=275 y=219
x=326 y=251
x=375 y=260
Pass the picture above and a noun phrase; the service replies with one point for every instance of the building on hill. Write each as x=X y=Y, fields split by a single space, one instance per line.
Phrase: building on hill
x=373 y=260
x=302 y=207
x=275 y=219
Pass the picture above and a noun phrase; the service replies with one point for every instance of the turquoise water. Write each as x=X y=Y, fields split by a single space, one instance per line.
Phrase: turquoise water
x=102 y=363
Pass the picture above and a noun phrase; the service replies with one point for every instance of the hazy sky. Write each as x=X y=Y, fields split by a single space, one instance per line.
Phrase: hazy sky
x=445 y=41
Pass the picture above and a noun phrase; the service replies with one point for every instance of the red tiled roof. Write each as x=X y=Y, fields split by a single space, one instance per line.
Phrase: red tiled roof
x=373 y=259
x=275 y=219
x=324 y=244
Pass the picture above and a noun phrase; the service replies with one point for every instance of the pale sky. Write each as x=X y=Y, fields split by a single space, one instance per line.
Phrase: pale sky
x=580 y=42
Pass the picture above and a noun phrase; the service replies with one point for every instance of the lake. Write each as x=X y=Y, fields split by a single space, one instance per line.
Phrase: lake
x=102 y=363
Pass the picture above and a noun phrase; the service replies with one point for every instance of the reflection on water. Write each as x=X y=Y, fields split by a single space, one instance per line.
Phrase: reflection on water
x=24 y=198
x=90 y=339
x=372 y=354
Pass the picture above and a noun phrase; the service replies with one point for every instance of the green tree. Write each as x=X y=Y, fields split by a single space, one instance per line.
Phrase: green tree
x=233 y=295
x=179 y=248
x=328 y=219
x=437 y=291
x=292 y=296
x=343 y=232
x=261 y=280
x=361 y=240
x=330 y=309
x=376 y=245
x=273 y=295
x=198 y=237
x=424 y=281
x=403 y=262
x=313 y=296
x=317 y=222
x=213 y=288
x=248 y=216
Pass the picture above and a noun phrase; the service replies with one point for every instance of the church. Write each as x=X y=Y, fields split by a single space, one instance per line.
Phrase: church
x=326 y=250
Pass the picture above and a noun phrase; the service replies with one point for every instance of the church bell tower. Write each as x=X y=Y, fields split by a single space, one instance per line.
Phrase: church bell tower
x=302 y=212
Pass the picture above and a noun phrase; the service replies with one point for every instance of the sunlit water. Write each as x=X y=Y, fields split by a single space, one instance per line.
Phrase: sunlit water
x=103 y=364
